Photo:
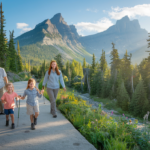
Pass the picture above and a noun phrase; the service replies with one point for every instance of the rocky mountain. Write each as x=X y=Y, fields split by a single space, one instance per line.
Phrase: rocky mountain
x=53 y=36
x=50 y=37
x=126 y=34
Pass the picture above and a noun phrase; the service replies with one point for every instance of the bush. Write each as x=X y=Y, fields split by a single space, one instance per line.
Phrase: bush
x=77 y=86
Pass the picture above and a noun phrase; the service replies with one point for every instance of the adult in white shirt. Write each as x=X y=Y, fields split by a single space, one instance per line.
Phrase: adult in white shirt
x=3 y=80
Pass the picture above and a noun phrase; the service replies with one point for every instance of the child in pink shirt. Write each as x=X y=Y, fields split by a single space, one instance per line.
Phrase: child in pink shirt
x=9 y=104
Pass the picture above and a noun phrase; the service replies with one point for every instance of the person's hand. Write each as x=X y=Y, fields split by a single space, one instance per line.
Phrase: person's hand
x=64 y=89
x=4 y=102
x=42 y=91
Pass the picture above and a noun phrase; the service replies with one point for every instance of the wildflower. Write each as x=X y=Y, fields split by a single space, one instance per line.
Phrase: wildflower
x=112 y=113
x=95 y=119
x=126 y=117
x=111 y=118
x=123 y=114
x=130 y=121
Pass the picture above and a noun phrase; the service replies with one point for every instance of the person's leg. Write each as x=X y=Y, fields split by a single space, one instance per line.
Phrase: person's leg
x=35 y=118
x=36 y=110
x=32 y=122
x=7 y=117
x=52 y=101
x=7 y=120
x=11 y=112
x=30 y=112
x=12 y=118
x=32 y=118
x=1 y=104
x=55 y=93
x=55 y=96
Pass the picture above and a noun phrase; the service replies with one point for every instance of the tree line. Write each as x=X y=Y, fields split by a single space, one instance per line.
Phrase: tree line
x=128 y=84
x=10 y=59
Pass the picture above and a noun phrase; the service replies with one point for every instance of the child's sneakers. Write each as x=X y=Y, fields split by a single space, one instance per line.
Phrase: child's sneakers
x=35 y=121
x=13 y=126
x=7 y=122
x=32 y=126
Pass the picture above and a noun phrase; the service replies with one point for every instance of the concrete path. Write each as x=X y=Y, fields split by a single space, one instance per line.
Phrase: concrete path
x=50 y=134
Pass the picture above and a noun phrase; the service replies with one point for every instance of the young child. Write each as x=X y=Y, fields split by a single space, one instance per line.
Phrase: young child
x=9 y=104
x=32 y=103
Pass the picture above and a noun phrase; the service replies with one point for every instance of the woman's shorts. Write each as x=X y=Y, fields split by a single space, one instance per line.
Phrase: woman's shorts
x=32 y=109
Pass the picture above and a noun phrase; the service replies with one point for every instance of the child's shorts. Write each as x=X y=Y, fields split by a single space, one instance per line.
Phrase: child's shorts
x=8 y=111
x=32 y=109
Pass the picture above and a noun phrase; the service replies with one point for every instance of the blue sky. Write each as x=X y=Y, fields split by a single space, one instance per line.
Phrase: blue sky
x=89 y=16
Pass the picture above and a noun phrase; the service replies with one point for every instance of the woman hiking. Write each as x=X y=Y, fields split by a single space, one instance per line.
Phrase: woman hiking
x=52 y=78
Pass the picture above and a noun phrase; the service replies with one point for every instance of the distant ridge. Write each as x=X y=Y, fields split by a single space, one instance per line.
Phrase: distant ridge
x=57 y=36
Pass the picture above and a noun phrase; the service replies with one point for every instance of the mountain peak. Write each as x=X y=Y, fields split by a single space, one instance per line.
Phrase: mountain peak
x=125 y=18
x=58 y=19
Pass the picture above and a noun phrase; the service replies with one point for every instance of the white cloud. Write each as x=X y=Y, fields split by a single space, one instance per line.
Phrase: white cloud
x=24 y=27
x=131 y=12
x=99 y=26
x=21 y=25
x=92 y=10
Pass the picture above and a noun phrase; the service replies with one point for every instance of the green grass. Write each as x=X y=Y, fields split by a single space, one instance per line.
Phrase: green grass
x=112 y=105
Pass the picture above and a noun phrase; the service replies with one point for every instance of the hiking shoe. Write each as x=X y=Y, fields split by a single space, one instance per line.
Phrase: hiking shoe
x=2 y=113
x=55 y=116
x=32 y=126
x=7 y=122
x=13 y=126
x=35 y=120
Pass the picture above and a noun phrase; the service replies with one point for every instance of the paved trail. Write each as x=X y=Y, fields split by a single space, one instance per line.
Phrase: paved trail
x=50 y=134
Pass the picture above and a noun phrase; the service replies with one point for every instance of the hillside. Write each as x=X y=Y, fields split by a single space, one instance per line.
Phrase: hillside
x=50 y=37
x=126 y=34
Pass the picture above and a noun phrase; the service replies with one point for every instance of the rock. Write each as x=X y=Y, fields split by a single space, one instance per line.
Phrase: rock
x=12 y=77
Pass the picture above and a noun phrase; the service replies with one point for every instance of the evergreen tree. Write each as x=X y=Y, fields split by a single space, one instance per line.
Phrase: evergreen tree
x=13 y=53
x=148 y=41
x=20 y=65
x=29 y=67
x=123 y=97
x=139 y=104
x=84 y=63
x=93 y=82
x=80 y=70
x=4 y=60
x=103 y=62
x=59 y=61
x=67 y=69
x=105 y=83
x=26 y=66
x=44 y=67
x=93 y=62
x=115 y=61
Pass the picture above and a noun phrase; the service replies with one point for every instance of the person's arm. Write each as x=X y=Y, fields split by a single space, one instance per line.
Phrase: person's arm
x=62 y=81
x=3 y=99
x=5 y=76
x=6 y=80
x=24 y=95
x=17 y=96
x=39 y=94
x=45 y=80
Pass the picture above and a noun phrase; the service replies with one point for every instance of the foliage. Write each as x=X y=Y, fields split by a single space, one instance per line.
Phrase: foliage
x=104 y=132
